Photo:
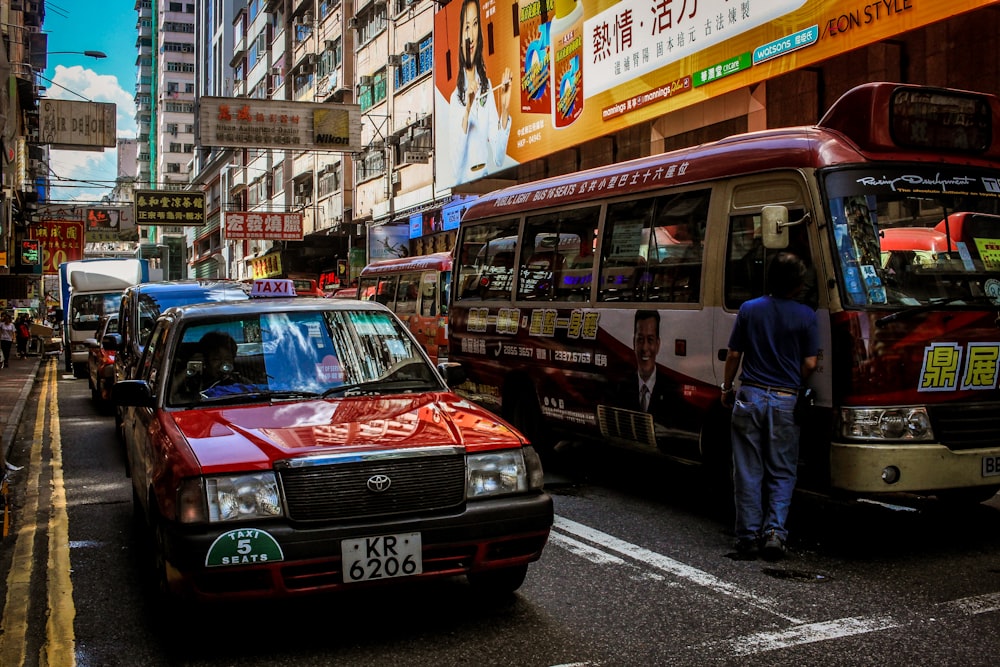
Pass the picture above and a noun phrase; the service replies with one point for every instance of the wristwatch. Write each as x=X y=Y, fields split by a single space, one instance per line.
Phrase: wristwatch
x=730 y=390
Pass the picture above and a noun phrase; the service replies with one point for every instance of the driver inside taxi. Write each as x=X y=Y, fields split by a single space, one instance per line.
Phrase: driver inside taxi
x=209 y=372
x=218 y=351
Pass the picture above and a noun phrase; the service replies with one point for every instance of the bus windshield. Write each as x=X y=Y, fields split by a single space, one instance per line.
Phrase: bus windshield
x=916 y=236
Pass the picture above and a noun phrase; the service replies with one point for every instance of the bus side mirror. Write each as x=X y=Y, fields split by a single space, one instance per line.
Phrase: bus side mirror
x=774 y=219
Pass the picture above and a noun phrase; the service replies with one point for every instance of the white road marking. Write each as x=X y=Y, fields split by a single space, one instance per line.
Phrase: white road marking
x=599 y=557
x=671 y=566
x=760 y=642
x=810 y=633
x=977 y=604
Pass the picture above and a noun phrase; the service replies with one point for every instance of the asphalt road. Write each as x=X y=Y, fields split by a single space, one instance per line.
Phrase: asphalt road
x=639 y=571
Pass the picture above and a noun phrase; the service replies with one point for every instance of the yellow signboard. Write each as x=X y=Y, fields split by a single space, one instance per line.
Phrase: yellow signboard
x=509 y=89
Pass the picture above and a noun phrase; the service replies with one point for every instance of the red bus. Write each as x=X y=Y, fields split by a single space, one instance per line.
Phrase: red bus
x=416 y=289
x=552 y=276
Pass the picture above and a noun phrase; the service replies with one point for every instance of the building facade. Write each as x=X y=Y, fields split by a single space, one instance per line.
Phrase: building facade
x=395 y=58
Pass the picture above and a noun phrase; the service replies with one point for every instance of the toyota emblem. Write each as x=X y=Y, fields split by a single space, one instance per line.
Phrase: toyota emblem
x=379 y=483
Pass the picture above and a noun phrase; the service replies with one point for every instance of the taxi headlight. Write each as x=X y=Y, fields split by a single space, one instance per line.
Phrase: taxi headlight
x=503 y=472
x=904 y=423
x=236 y=498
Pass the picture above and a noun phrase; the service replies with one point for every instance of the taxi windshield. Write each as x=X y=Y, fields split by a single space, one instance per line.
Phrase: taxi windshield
x=296 y=354
x=922 y=236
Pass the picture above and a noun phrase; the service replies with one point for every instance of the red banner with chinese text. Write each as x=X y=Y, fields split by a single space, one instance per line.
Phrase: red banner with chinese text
x=61 y=241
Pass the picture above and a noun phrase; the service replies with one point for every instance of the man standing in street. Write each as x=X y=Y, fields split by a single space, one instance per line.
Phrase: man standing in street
x=776 y=339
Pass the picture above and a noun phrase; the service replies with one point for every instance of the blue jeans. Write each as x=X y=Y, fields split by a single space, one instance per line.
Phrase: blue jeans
x=765 y=458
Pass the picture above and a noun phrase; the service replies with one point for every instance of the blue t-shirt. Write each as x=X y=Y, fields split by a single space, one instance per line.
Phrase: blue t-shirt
x=774 y=335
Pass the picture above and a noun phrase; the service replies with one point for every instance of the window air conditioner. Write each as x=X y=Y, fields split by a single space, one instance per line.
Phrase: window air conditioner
x=276 y=70
x=353 y=23
x=312 y=58
x=395 y=61
x=365 y=81
x=328 y=44
x=411 y=48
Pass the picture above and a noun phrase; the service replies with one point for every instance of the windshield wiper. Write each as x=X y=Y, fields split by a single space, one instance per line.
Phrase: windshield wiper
x=943 y=301
x=375 y=387
x=237 y=397
x=353 y=389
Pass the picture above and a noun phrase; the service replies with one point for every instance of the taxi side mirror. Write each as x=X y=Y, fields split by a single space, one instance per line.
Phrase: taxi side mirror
x=132 y=393
x=111 y=342
x=453 y=373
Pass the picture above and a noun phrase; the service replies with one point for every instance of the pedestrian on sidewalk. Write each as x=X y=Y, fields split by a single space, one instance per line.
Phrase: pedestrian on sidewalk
x=23 y=332
x=775 y=339
x=7 y=335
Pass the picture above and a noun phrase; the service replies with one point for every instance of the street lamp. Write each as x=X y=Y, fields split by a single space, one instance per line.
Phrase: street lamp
x=90 y=54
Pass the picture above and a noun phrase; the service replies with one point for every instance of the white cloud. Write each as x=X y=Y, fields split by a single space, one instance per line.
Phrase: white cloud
x=91 y=174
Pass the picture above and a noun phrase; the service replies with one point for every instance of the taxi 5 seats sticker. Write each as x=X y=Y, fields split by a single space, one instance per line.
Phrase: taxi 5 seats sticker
x=245 y=546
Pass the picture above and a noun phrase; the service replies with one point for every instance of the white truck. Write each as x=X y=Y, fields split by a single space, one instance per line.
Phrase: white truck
x=89 y=288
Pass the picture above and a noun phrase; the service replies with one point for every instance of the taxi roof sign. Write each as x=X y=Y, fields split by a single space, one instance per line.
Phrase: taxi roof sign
x=272 y=287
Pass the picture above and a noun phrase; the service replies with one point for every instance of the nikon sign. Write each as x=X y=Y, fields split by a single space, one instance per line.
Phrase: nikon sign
x=240 y=122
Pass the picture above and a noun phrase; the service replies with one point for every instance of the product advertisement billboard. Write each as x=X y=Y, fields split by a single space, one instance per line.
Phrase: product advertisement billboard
x=516 y=81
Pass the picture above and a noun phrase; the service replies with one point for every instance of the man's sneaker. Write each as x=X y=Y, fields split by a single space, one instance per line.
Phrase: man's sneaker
x=747 y=548
x=774 y=547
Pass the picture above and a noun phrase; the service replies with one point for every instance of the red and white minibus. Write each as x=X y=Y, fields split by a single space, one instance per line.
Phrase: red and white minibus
x=553 y=275
x=416 y=289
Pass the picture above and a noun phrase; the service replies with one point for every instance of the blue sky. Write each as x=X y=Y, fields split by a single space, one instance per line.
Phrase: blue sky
x=91 y=25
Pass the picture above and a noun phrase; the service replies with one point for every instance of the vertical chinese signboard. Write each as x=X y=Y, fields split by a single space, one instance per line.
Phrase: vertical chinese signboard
x=61 y=241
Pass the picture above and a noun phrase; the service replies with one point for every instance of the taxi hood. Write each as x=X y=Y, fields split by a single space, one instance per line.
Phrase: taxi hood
x=255 y=436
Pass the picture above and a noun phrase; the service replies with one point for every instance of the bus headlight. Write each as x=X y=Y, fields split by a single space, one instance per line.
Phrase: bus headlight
x=903 y=423
x=503 y=472
x=244 y=497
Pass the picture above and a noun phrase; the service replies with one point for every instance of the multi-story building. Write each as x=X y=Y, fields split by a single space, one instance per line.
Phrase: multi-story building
x=165 y=104
x=399 y=60
x=24 y=174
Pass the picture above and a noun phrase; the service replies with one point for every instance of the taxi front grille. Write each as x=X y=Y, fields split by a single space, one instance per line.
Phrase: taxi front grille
x=966 y=426
x=344 y=490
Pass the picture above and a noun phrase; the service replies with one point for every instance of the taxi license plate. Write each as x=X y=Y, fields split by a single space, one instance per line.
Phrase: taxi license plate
x=381 y=557
x=991 y=466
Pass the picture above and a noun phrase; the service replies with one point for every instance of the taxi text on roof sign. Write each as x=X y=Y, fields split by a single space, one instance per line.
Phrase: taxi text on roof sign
x=271 y=287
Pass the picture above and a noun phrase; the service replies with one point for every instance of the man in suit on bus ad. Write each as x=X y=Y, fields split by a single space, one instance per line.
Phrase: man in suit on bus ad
x=646 y=390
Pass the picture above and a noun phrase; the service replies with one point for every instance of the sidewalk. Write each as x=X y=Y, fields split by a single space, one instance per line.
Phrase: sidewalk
x=16 y=382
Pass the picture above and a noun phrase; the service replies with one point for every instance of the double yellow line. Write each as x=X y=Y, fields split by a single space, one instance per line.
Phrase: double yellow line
x=58 y=648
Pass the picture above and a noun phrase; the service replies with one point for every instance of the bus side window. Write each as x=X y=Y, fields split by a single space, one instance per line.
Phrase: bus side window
x=747 y=260
x=675 y=250
x=744 y=260
x=486 y=261
x=624 y=274
x=428 y=294
x=385 y=293
x=557 y=255
x=407 y=293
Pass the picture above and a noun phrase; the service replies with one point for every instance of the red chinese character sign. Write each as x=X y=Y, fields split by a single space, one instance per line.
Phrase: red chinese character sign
x=61 y=241
x=265 y=226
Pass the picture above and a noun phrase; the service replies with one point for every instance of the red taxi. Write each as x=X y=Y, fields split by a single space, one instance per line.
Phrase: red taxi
x=101 y=362
x=288 y=446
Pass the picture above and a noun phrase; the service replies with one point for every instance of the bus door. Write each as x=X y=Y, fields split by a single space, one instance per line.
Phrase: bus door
x=747 y=258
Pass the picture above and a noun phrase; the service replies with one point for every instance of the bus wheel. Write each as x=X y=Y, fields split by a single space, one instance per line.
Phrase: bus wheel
x=970 y=496
x=527 y=418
